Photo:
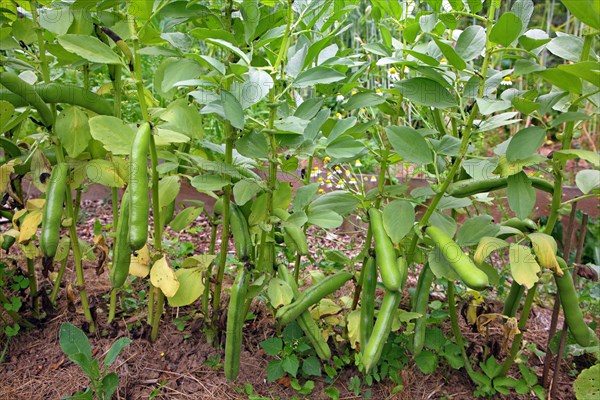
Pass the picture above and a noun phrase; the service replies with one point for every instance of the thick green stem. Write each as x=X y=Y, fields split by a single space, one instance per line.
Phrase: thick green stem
x=458 y=338
x=113 y=304
x=58 y=280
x=225 y=228
x=33 y=287
x=160 y=303
x=208 y=272
x=516 y=344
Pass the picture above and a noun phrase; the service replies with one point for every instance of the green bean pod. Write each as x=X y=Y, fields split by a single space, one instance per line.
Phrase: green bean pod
x=470 y=187
x=570 y=305
x=235 y=325
x=381 y=330
x=53 y=209
x=58 y=93
x=24 y=90
x=241 y=233
x=426 y=278
x=122 y=251
x=305 y=320
x=298 y=237
x=312 y=296
x=367 y=304
x=139 y=203
x=385 y=253
x=472 y=276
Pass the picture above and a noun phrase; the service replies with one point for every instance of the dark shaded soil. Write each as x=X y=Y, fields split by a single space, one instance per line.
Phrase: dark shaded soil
x=181 y=365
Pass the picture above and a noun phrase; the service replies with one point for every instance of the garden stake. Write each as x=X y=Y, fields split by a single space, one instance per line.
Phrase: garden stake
x=556 y=307
x=563 y=335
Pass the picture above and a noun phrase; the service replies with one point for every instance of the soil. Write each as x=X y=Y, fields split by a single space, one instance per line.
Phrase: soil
x=181 y=365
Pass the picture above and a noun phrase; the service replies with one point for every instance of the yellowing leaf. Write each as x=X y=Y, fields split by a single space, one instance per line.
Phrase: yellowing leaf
x=29 y=249
x=544 y=247
x=190 y=287
x=163 y=277
x=62 y=252
x=30 y=225
x=140 y=263
x=353 y=324
x=324 y=308
x=35 y=204
x=201 y=261
x=16 y=216
x=523 y=266
x=280 y=293
x=486 y=246
x=5 y=171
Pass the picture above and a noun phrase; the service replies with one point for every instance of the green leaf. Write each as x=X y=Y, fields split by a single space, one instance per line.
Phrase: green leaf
x=534 y=38
x=182 y=70
x=233 y=109
x=104 y=172
x=562 y=80
x=434 y=339
x=275 y=370
x=253 y=89
x=497 y=121
x=471 y=42
x=56 y=20
x=168 y=189
x=340 y=201
x=73 y=130
x=525 y=143
x=207 y=183
x=588 y=71
x=426 y=361
x=587 y=384
x=326 y=219
x=244 y=190
x=290 y=364
x=345 y=147
x=475 y=228
x=114 y=351
x=272 y=346
x=523 y=266
x=73 y=341
x=567 y=47
x=586 y=155
x=587 y=11
x=191 y=286
x=317 y=75
x=185 y=218
x=427 y=92
x=253 y=145
x=311 y=366
x=108 y=385
x=251 y=16
x=440 y=266
x=409 y=144
x=450 y=54
x=398 y=219
x=280 y=293
x=365 y=99
x=112 y=132
x=228 y=46
x=521 y=194
x=506 y=29
x=89 y=48
x=587 y=180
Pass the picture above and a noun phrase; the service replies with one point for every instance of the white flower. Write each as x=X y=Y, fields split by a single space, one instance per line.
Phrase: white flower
x=357 y=163
x=340 y=184
x=353 y=181
x=320 y=180
x=443 y=61
x=328 y=183
x=329 y=175
x=378 y=92
x=347 y=172
x=321 y=191
x=354 y=92
x=338 y=115
x=339 y=97
x=393 y=74
x=338 y=170
x=506 y=81
x=373 y=178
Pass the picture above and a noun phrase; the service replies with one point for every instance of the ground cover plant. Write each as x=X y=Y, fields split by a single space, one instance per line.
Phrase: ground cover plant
x=428 y=131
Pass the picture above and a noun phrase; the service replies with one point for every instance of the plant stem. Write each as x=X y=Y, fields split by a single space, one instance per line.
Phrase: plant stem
x=33 y=287
x=113 y=305
x=14 y=315
x=455 y=327
x=208 y=272
x=58 y=280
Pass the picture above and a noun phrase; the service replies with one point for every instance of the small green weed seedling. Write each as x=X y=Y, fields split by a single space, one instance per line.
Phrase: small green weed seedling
x=76 y=346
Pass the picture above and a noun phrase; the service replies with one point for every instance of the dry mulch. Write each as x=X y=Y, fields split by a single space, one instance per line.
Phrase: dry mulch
x=178 y=364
